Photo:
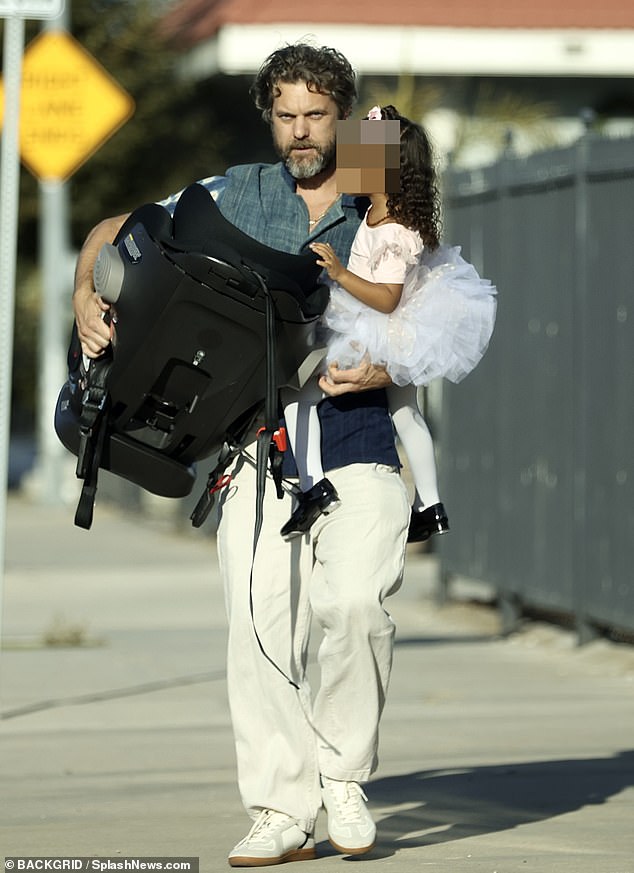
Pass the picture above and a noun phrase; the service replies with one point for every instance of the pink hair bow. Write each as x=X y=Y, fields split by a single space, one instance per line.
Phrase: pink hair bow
x=374 y=114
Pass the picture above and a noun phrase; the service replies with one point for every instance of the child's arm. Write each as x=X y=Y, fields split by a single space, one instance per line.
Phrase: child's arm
x=381 y=296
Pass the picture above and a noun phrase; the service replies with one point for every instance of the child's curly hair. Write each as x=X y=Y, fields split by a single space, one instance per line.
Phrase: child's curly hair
x=417 y=205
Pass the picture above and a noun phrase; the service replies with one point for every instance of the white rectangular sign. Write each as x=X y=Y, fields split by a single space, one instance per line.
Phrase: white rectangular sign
x=31 y=8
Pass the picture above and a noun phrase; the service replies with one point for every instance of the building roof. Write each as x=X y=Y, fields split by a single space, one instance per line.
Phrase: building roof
x=190 y=22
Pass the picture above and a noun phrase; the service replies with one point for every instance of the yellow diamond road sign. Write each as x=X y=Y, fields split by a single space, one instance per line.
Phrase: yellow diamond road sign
x=69 y=106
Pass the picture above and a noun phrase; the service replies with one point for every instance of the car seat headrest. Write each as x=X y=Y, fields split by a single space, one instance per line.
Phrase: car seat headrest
x=199 y=225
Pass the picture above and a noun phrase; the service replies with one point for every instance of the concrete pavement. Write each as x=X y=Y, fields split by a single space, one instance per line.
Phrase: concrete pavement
x=497 y=755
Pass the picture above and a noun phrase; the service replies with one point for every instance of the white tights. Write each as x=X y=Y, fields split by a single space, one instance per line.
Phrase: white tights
x=304 y=433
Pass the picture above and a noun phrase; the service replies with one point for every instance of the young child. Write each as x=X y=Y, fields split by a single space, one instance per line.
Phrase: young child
x=405 y=302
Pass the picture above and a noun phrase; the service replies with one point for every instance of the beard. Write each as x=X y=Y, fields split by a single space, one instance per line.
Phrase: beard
x=305 y=167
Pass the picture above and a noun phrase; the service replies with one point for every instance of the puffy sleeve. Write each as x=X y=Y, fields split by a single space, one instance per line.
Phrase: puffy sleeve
x=394 y=249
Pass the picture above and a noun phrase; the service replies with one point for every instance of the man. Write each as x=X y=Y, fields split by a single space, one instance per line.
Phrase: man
x=295 y=753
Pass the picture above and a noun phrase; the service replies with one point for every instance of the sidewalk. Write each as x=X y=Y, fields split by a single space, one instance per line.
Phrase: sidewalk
x=497 y=755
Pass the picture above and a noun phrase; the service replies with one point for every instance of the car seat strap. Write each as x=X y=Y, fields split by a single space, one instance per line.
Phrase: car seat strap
x=93 y=425
x=267 y=449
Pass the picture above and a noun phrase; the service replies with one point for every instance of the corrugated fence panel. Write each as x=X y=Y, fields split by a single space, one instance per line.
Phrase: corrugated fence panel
x=466 y=463
x=535 y=445
x=606 y=535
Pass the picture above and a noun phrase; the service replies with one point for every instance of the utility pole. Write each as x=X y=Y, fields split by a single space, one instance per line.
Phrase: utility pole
x=55 y=258
x=14 y=12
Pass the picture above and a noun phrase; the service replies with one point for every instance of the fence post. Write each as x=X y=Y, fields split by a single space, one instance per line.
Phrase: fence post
x=509 y=601
x=586 y=630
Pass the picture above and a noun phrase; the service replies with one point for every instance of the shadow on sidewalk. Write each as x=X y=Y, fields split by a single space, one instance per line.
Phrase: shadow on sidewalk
x=448 y=639
x=440 y=806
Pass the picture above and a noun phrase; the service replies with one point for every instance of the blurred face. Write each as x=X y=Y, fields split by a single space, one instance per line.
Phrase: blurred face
x=368 y=157
x=304 y=125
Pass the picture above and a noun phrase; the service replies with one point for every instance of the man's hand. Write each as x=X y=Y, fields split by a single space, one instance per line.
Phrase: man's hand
x=93 y=332
x=365 y=377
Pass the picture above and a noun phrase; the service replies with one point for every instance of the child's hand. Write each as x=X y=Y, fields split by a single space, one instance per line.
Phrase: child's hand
x=328 y=259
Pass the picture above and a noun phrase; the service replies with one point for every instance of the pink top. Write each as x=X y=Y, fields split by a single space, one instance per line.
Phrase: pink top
x=384 y=253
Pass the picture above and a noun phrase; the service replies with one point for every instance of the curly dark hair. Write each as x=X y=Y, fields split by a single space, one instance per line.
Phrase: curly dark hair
x=325 y=70
x=417 y=205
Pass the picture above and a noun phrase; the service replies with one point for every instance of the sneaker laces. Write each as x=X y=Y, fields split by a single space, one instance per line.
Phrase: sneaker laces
x=266 y=820
x=348 y=800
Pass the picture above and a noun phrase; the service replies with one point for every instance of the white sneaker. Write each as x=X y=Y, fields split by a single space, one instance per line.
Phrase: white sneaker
x=273 y=839
x=350 y=826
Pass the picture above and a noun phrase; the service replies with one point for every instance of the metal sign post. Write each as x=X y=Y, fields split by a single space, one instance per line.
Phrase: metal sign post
x=69 y=106
x=9 y=198
x=15 y=12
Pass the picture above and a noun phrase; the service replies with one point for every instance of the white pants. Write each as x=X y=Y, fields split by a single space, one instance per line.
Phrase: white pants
x=284 y=739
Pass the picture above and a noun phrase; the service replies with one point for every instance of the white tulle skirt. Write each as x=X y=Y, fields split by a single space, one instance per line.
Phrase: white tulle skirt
x=441 y=327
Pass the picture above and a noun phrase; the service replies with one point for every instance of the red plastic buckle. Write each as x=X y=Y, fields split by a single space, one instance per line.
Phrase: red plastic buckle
x=221 y=483
x=278 y=437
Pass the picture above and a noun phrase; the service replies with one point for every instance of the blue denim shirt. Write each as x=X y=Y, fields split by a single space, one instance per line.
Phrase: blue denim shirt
x=261 y=200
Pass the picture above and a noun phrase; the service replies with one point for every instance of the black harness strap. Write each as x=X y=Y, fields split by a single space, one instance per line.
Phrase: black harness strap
x=93 y=425
x=267 y=449
x=215 y=481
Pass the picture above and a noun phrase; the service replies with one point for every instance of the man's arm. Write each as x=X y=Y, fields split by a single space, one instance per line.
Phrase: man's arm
x=365 y=377
x=88 y=307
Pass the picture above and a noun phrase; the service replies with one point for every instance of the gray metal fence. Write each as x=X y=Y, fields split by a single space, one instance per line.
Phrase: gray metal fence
x=536 y=445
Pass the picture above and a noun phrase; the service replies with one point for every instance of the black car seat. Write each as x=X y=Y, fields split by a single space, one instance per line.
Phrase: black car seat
x=208 y=322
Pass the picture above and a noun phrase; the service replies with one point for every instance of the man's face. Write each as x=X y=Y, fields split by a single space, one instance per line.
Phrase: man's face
x=304 y=125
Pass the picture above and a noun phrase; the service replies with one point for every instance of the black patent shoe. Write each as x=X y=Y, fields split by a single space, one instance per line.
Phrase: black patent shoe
x=424 y=523
x=322 y=497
